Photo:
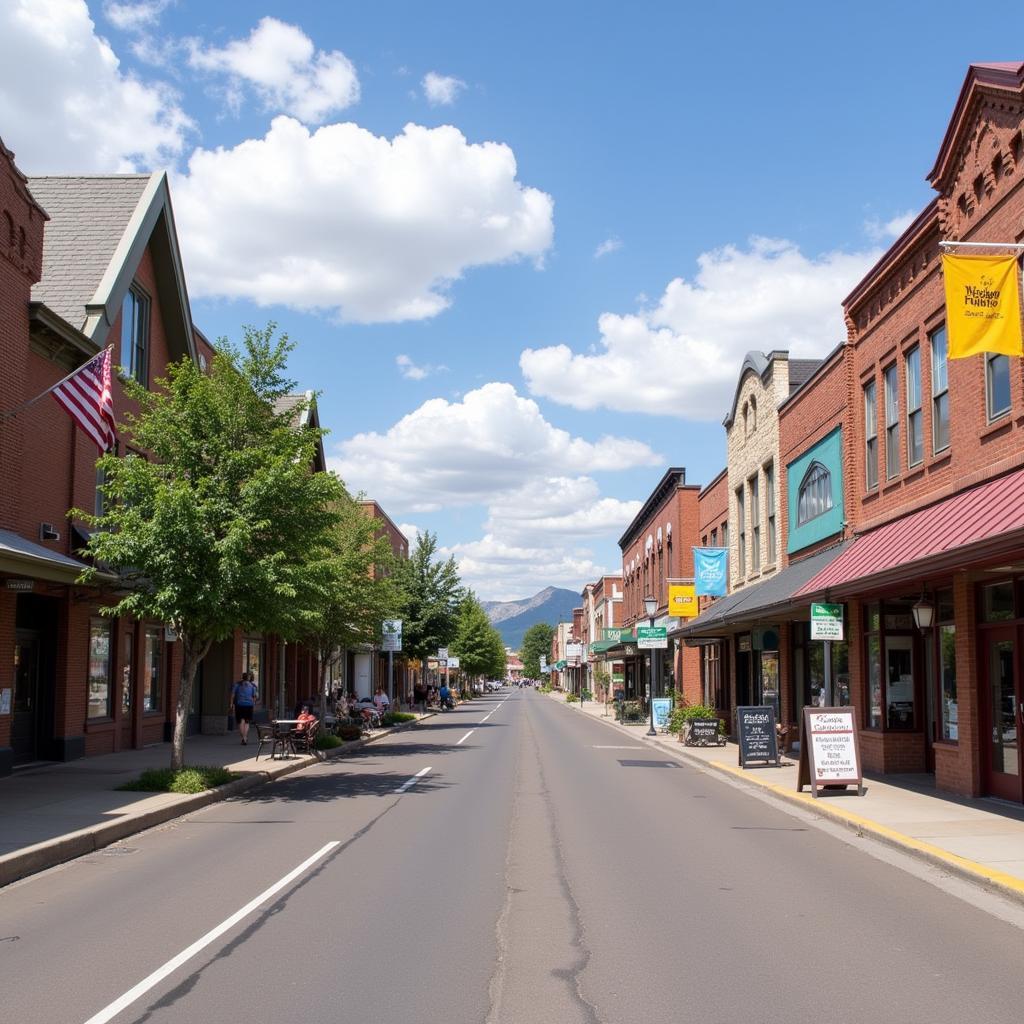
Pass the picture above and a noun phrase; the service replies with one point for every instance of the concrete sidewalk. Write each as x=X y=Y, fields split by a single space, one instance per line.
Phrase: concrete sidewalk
x=55 y=812
x=981 y=840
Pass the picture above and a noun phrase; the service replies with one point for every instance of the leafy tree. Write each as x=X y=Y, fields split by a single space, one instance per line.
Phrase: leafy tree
x=536 y=641
x=431 y=592
x=477 y=644
x=225 y=526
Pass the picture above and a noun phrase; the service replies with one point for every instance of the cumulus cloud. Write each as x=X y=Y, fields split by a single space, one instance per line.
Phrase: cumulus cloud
x=281 y=64
x=441 y=90
x=886 y=231
x=66 y=105
x=609 y=245
x=134 y=17
x=468 y=452
x=680 y=358
x=342 y=220
x=413 y=371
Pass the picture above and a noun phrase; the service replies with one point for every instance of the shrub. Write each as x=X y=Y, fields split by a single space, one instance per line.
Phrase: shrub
x=687 y=712
x=571 y=698
x=395 y=717
x=327 y=741
x=632 y=711
x=588 y=695
x=349 y=732
x=185 y=780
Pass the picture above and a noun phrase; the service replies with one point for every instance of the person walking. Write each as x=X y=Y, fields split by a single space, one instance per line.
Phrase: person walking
x=243 y=703
x=419 y=693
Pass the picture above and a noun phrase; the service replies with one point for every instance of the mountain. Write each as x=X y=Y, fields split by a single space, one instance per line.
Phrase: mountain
x=514 y=618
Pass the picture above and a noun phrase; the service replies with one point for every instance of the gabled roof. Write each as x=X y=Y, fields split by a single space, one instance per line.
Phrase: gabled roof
x=99 y=228
x=304 y=413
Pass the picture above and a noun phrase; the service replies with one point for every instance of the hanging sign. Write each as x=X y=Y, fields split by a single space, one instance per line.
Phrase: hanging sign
x=982 y=305
x=652 y=637
x=829 y=750
x=391 y=635
x=711 y=571
x=682 y=600
x=826 y=621
x=755 y=727
x=453 y=663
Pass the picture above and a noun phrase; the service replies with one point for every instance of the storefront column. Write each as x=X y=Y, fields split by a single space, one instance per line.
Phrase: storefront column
x=958 y=768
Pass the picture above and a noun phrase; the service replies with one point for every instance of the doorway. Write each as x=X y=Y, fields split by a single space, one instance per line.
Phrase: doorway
x=25 y=726
x=1001 y=738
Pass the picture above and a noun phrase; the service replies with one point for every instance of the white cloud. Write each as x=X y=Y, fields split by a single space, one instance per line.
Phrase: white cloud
x=879 y=231
x=609 y=245
x=490 y=443
x=412 y=371
x=411 y=533
x=340 y=219
x=66 y=105
x=134 y=17
x=280 y=62
x=441 y=90
x=681 y=357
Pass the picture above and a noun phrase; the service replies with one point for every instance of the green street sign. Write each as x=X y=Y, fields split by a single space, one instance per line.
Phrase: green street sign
x=826 y=622
x=652 y=637
x=617 y=634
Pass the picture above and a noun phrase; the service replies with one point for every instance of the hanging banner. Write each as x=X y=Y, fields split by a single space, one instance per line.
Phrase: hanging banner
x=711 y=571
x=982 y=305
x=682 y=600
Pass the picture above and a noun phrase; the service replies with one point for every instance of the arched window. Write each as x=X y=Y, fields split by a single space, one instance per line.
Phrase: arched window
x=746 y=419
x=753 y=414
x=815 y=493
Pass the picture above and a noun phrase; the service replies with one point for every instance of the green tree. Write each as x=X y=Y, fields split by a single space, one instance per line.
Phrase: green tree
x=431 y=592
x=536 y=641
x=477 y=644
x=225 y=526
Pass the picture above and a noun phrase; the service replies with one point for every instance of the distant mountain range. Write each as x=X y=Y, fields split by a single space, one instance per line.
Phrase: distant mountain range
x=514 y=618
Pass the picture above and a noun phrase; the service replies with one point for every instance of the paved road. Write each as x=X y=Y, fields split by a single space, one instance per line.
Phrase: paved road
x=542 y=868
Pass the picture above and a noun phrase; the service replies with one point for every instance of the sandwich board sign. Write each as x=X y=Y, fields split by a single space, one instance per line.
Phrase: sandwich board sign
x=759 y=742
x=829 y=750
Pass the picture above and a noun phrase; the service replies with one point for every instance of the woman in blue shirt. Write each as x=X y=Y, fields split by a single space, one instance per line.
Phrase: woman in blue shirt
x=243 y=703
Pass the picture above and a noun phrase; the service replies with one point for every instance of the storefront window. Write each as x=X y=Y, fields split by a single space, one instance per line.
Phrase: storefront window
x=997 y=602
x=100 y=703
x=770 y=680
x=127 y=667
x=253 y=660
x=874 y=666
x=152 y=669
x=947 y=682
x=809 y=665
x=899 y=682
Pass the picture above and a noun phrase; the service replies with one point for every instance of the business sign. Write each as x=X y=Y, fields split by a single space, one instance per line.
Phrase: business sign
x=829 y=750
x=616 y=635
x=392 y=635
x=649 y=638
x=826 y=622
x=682 y=600
x=543 y=660
x=442 y=654
x=703 y=732
x=453 y=663
x=758 y=741
x=711 y=571
x=662 y=707
x=22 y=586
x=574 y=651
x=982 y=304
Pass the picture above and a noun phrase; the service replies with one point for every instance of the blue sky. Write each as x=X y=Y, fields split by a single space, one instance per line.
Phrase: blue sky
x=524 y=306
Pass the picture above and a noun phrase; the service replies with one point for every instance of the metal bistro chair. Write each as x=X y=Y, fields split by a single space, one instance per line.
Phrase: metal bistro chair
x=304 y=740
x=279 y=740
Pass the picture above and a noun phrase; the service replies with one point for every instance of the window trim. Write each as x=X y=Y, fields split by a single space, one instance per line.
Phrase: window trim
x=815 y=471
x=990 y=358
x=939 y=394
x=871 y=454
x=142 y=301
x=913 y=415
x=892 y=427
x=754 y=483
x=769 y=501
x=741 y=540
x=107 y=626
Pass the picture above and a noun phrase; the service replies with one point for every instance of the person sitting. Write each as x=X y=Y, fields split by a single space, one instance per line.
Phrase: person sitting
x=381 y=700
x=304 y=719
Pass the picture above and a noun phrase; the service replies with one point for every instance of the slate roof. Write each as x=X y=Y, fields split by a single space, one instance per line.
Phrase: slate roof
x=88 y=218
x=800 y=371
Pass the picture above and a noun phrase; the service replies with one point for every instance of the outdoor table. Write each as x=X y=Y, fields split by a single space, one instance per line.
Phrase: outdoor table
x=284 y=727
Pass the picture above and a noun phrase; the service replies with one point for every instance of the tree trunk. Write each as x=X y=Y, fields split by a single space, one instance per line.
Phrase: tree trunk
x=324 y=664
x=193 y=652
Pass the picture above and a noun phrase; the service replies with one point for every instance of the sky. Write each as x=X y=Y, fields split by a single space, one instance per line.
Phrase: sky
x=522 y=248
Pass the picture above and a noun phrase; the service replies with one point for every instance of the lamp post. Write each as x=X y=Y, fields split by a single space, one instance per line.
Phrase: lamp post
x=651 y=607
x=583 y=671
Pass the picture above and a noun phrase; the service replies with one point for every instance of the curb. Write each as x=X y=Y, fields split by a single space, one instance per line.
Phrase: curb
x=48 y=854
x=971 y=871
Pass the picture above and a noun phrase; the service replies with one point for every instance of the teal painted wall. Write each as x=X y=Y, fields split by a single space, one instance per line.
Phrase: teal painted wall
x=829 y=452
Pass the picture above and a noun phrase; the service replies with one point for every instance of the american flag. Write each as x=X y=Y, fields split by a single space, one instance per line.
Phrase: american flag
x=86 y=396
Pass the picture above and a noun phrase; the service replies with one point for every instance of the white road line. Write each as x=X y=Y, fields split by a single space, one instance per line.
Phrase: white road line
x=409 y=782
x=109 y=1012
x=466 y=737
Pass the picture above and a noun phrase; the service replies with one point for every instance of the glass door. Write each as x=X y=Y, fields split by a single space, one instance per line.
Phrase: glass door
x=1002 y=735
x=25 y=725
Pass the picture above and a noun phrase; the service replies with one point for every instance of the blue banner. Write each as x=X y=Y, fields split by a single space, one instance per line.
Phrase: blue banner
x=711 y=571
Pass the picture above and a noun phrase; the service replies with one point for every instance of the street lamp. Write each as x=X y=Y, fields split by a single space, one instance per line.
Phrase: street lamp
x=651 y=608
x=924 y=613
x=582 y=672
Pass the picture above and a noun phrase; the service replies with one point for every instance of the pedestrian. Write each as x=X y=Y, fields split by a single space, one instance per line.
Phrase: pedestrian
x=243 y=703
x=419 y=693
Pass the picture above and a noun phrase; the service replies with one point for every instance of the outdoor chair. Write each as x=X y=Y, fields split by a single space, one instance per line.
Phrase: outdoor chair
x=277 y=739
x=304 y=740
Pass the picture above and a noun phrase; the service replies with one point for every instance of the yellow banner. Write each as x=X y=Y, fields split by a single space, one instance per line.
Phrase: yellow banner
x=682 y=600
x=982 y=305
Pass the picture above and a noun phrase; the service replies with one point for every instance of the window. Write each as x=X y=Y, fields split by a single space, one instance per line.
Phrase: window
x=915 y=427
x=746 y=419
x=103 y=503
x=769 y=500
x=815 y=496
x=892 y=423
x=135 y=335
x=946 y=639
x=890 y=665
x=101 y=692
x=725 y=535
x=997 y=384
x=755 y=524
x=714 y=537
x=741 y=515
x=127 y=668
x=753 y=414
x=940 y=391
x=152 y=669
x=870 y=436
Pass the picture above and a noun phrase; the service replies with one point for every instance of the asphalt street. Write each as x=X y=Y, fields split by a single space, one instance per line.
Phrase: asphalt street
x=508 y=861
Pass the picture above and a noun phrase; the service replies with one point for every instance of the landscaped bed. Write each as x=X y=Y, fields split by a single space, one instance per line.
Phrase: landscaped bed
x=197 y=779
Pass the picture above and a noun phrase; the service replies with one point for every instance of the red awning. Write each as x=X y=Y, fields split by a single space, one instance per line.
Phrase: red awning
x=959 y=529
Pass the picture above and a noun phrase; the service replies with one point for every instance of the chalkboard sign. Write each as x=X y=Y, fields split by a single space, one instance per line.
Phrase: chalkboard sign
x=703 y=732
x=829 y=750
x=755 y=727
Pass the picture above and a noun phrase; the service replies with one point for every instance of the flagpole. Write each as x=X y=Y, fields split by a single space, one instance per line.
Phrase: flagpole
x=983 y=245
x=11 y=413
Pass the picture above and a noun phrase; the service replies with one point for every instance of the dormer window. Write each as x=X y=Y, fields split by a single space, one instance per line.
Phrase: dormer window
x=135 y=335
x=815 y=494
